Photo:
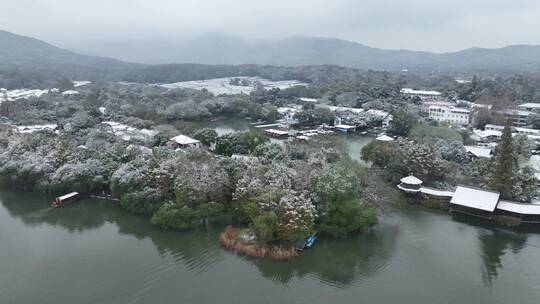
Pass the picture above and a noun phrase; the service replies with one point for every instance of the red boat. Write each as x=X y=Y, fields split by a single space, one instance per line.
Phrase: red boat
x=65 y=199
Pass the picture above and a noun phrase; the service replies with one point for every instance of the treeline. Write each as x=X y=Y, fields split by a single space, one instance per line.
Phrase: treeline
x=282 y=193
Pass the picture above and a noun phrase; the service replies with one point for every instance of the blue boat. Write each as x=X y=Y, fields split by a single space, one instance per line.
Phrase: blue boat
x=307 y=243
x=311 y=240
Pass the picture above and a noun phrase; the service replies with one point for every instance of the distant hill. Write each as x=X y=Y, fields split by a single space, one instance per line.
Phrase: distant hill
x=30 y=54
x=37 y=56
x=217 y=48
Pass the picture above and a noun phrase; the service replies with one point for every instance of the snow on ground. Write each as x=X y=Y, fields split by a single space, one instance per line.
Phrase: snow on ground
x=22 y=93
x=222 y=85
x=35 y=128
x=80 y=83
x=126 y=132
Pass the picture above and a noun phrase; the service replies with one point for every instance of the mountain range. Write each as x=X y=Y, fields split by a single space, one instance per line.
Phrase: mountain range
x=26 y=52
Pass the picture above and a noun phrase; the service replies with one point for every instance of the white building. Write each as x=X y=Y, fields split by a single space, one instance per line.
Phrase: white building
x=530 y=106
x=450 y=115
x=422 y=94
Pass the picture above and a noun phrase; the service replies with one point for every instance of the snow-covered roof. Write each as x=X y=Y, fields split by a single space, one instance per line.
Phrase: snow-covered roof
x=69 y=195
x=80 y=83
x=419 y=92
x=127 y=133
x=276 y=131
x=35 y=128
x=380 y=113
x=531 y=209
x=308 y=99
x=343 y=109
x=184 y=140
x=411 y=180
x=460 y=110
x=384 y=137
x=516 y=112
x=479 y=151
x=70 y=92
x=345 y=127
x=475 y=198
x=530 y=105
x=436 y=192
x=487 y=133
x=437 y=103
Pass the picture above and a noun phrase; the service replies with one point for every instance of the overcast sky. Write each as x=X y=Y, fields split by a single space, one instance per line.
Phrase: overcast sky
x=432 y=25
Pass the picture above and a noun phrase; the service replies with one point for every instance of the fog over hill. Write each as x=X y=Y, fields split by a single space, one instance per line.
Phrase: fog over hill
x=216 y=48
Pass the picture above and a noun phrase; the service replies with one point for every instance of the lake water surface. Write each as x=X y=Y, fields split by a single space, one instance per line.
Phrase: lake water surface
x=94 y=252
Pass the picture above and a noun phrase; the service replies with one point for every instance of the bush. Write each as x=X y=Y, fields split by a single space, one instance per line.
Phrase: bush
x=145 y=202
x=172 y=216
x=345 y=217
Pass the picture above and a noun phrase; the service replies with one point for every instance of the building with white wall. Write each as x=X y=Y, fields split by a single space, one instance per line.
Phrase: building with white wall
x=452 y=115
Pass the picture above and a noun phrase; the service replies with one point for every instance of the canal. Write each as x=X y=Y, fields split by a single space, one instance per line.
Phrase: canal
x=94 y=252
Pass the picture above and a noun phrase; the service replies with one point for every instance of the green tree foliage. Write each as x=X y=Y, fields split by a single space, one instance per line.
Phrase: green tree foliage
x=503 y=164
x=176 y=217
x=144 y=202
x=239 y=143
x=314 y=117
x=206 y=136
x=337 y=186
x=402 y=122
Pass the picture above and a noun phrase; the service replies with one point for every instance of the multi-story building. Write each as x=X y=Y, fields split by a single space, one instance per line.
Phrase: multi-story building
x=452 y=115
x=530 y=106
x=424 y=107
x=519 y=118
x=423 y=94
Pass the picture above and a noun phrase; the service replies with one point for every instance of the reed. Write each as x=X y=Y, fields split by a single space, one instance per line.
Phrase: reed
x=228 y=239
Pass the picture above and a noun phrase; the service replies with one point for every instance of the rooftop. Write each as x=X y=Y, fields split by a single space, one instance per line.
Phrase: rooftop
x=411 y=180
x=479 y=151
x=384 y=137
x=184 y=140
x=530 y=105
x=345 y=127
x=475 y=198
x=531 y=209
x=419 y=92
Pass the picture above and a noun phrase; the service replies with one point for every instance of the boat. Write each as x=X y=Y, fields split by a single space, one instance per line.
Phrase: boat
x=65 y=199
x=307 y=243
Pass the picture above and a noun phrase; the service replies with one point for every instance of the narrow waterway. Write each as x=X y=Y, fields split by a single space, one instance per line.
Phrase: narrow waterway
x=94 y=252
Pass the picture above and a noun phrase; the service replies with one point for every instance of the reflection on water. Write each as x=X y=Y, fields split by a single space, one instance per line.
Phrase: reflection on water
x=495 y=244
x=107 y=255
x=339 y=263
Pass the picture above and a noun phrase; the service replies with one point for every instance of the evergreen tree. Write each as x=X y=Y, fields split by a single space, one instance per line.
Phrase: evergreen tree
x=503 y=162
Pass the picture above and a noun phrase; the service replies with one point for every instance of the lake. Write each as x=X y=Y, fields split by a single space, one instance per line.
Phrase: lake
x=94 y=252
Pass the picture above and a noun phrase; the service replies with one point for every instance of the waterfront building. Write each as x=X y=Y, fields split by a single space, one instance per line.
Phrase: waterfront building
x=410 y=184
x=477 y=202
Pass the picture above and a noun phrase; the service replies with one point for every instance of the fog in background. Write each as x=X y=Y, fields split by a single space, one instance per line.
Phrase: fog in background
x=107 y=26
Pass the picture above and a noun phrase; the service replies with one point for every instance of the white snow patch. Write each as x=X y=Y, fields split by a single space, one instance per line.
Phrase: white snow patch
x=219 y=86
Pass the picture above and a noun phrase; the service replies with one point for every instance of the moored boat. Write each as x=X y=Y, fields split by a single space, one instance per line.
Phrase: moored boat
x=65 y=199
